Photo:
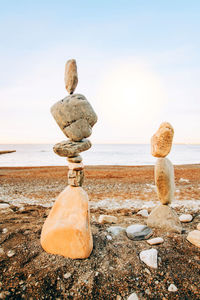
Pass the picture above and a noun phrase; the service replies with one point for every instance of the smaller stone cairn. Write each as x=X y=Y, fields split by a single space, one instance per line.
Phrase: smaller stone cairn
x=163 y=216
x=66 y=231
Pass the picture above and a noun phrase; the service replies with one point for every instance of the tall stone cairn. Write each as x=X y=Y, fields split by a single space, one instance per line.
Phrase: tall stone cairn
x=163 y=216
x=66 y=231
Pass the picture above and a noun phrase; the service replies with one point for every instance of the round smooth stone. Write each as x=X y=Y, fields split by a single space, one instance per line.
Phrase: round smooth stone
x=138 y=232
x=155 y=241
x=185 y=218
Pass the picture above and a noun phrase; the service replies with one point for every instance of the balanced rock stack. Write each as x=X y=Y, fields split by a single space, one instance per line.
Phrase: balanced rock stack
x=66 y=231
x=163 y=216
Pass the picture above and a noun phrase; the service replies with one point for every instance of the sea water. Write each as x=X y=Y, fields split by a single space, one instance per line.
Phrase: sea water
x=99 y=154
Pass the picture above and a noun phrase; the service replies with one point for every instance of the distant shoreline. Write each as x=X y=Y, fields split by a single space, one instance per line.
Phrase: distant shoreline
x=7 y=151
x=96 y=166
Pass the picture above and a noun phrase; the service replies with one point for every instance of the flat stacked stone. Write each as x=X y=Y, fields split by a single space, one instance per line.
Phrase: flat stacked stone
x=66 y=231
x=163 y=216
x=71 y=149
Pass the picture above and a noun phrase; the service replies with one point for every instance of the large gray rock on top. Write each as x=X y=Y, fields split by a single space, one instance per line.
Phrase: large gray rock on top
x=75 y=116
x=164 y=180
x=165 y=218
x=71 y=149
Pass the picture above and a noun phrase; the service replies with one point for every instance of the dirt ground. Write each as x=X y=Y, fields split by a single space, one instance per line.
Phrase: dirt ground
x=114 y=268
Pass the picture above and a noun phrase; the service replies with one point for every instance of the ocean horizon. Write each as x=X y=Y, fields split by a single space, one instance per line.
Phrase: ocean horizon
x=98 y=154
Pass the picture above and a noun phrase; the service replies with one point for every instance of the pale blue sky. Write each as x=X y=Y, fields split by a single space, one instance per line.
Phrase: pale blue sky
x=138 y=64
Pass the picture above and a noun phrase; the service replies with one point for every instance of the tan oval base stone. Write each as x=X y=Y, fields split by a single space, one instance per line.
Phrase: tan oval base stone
x=165 y=218
x=66 y=230
x=164 y=180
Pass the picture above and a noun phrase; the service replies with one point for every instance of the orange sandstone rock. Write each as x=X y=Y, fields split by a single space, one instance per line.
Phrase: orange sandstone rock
x=164 y=180
x=66 y=230
x=161 y=141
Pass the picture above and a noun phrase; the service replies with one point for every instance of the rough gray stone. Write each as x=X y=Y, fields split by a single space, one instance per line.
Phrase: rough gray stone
x=138 y=232
x=70 y=148
x=164 y=217
x=75 y=116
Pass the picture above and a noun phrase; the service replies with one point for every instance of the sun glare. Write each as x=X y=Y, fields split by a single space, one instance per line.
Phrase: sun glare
x=131 y=97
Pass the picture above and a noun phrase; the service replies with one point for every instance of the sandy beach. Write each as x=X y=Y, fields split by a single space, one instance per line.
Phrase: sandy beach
x=118 y=190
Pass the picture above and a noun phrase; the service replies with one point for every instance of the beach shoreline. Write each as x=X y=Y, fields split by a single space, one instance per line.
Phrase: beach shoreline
x=27 y=271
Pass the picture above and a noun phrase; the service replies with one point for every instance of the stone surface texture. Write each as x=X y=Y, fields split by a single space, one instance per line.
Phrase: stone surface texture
x=194 y=237
x=161 y=141
x=103 y=219
x=70 y=148
x=66 y=230
x=185 y=218
x=71 y=76
x=164 y=180
x=75 y=116
x=165 y=218
x=138 y=232
x=198 y=226
x=155 y=241
x=75 y=177
x=150 y=257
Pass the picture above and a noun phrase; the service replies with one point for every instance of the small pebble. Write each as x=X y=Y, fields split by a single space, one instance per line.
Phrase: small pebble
x=107 y=219
x=10 y=253
x=67 y=275
x=22 y=208
x=149 y=257
x=4 y=294
x=147 y=271
x=4 y=205
x=138 y=232
x=185 y=218
x=5 y=230
x=133 y=296
x=172 y=288
x=2 y=251
x=143 y=213
x=194 y=237
x=155 y=241
x=109 y=237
